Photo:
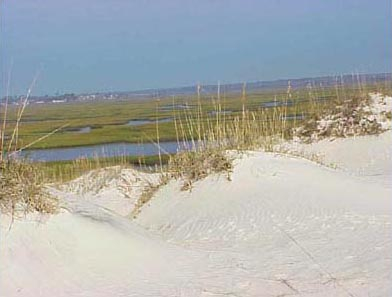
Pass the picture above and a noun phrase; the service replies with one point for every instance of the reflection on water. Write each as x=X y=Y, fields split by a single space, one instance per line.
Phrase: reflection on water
x=172 y=107
x=144 y=122
x=104 y=150
x=82 y=130
x=271 y=104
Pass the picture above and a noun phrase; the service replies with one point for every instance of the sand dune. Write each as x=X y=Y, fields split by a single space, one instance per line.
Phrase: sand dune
x=325 y=233
x=283 y=226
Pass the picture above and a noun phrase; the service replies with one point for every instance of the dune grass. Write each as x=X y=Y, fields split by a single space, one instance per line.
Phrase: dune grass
x=22 y=184
x=214 y=125
x=297 y=114
x=108 y=119
x=63 y=171
x=22 y=189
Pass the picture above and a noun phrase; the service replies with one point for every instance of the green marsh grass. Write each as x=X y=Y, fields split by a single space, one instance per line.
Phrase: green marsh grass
x=215 y=124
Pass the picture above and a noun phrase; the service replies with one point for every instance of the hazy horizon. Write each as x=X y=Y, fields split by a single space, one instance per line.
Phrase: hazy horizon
x=97 y=46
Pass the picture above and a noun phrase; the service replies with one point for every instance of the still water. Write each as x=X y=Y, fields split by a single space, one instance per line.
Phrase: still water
x=103 y=150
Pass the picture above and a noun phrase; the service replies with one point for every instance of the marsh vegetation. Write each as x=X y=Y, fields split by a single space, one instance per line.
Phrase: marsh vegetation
x=210 y=126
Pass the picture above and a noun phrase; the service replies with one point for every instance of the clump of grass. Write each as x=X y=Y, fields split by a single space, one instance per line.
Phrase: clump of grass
x=344 y=118
x=21 y=182
x=147 y=194
x=22 y=189
x=196 y=165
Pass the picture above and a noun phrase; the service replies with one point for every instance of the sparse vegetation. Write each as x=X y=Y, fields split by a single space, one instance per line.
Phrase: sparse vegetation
x=205 y=132
x=193 y=166
x=63 y=171
x=21 y=183
x=147 y=194
x=108 y=120
x=339 y=114
x=22 y=189
x=340 y=119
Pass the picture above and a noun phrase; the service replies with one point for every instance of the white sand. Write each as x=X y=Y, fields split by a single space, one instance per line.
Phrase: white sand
x=379 y=106
x=283 y=226
x=110 y=188
x=362 y=156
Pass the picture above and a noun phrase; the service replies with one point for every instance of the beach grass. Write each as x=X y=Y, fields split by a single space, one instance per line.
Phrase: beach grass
x=213 y=125
x=63 y=171
x=108 y=119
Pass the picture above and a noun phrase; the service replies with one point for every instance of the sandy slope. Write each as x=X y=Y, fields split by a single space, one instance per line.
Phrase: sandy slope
x=283 y=226
x=369 y=156
x=284 y=219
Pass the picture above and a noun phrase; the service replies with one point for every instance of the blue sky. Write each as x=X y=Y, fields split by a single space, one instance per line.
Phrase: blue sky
x=101 y=45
